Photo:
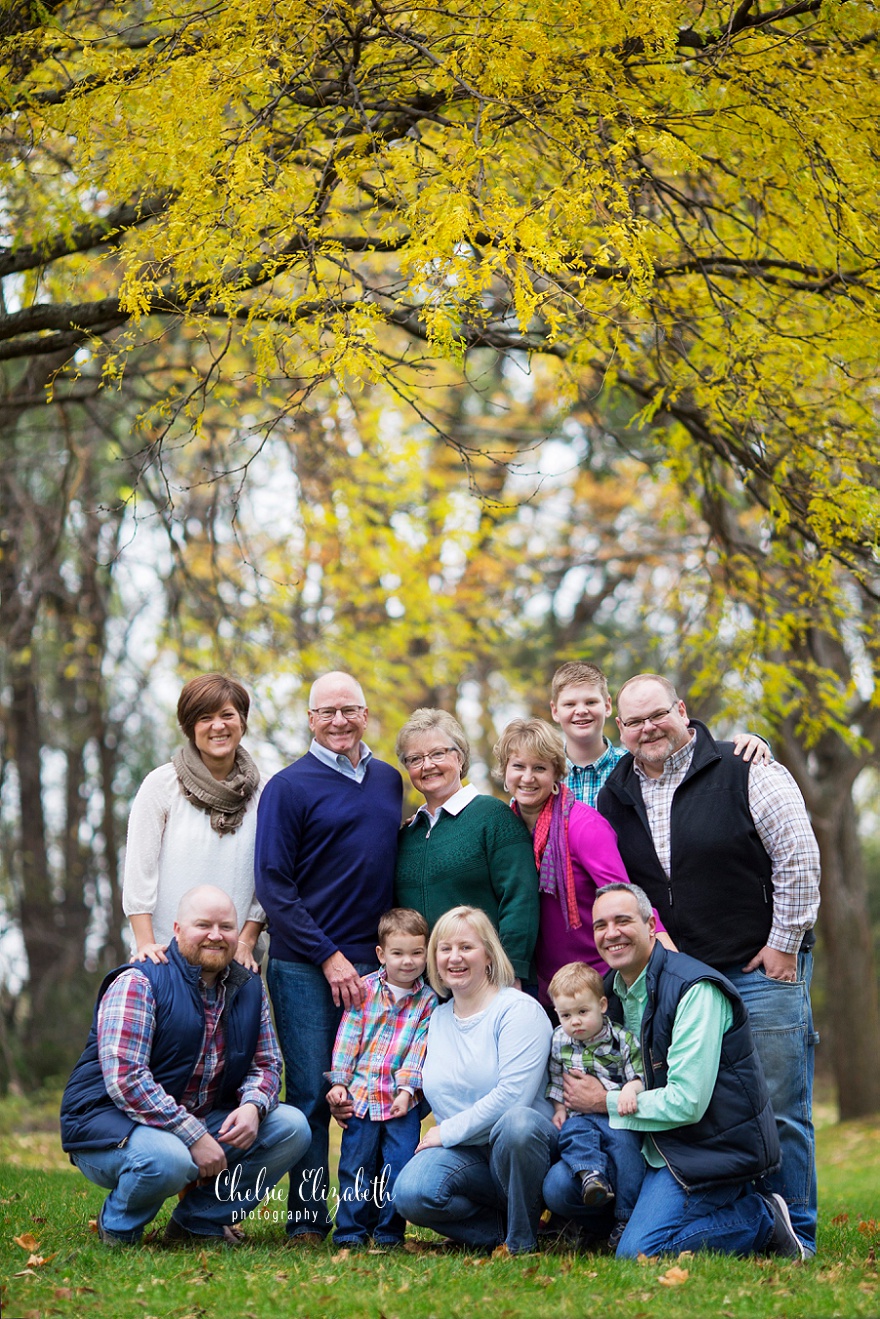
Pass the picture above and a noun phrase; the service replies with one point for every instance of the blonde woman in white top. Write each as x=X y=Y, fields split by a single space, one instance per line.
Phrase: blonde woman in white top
x=193 y=821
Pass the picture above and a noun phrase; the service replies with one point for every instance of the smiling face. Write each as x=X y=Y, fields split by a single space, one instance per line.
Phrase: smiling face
x=580 y=1015
x=624 y=939
x=342 y=732
x=404 y=957
x=437 y=779
x=581 y=709
x=529 y=780
x=217 y=736
x=206 y=931
x=463 y=961
x=665 y=732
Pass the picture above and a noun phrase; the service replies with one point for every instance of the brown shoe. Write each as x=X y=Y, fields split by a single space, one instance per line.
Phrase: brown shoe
x=177 y=1235
x=305 y=1240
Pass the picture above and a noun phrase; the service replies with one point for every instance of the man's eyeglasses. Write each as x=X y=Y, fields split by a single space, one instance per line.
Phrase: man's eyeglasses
x=413 y=762
x=328 y=712
x=656 y=718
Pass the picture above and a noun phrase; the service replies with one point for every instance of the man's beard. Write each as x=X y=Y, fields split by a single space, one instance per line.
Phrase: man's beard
x=209 y=959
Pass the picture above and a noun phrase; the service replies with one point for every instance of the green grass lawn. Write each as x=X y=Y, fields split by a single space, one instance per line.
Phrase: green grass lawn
x=43 y=1198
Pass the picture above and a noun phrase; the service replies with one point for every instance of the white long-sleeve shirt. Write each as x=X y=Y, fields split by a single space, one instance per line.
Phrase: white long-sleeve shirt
x=476 y=1068
x=171 y=847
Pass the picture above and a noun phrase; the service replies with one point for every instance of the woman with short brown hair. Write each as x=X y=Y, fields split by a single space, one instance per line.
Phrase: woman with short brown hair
x=193 y=821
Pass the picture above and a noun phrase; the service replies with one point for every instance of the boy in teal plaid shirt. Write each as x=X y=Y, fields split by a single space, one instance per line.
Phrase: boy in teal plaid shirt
x=377 y=1071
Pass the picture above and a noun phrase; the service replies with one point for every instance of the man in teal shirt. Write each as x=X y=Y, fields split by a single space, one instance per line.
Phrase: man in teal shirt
x=708 y=1129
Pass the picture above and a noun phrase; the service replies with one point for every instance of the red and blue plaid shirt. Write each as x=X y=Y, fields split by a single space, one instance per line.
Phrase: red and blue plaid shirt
x=380 y=1046
x=126 y=1025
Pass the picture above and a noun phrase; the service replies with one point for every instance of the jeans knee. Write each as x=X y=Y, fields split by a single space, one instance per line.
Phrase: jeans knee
x=410 y=1196
x=168 y=1169
x=519 y=1128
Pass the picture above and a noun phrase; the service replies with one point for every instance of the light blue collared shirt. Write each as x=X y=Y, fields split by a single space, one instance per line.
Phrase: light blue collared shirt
x=341 y=763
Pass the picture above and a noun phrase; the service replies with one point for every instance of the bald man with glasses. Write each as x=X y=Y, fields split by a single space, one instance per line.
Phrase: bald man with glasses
x=325 y=853
x=726 y=854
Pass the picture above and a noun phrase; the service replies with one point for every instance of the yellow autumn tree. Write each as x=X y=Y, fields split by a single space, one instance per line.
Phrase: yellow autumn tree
x=678 y=199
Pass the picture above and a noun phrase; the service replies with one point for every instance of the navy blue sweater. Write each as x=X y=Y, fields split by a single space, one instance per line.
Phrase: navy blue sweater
x=325 y=854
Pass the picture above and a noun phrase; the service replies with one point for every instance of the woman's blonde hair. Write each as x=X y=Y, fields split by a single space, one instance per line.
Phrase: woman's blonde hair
x=426 y=720
x=534 y=737
x=500 y=972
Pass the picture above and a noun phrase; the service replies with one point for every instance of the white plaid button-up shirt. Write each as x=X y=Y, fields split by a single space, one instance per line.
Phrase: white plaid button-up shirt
x=780 y=816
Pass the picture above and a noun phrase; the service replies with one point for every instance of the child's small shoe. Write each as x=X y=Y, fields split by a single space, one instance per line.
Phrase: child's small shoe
x=596 y=1190
x=614 y=1239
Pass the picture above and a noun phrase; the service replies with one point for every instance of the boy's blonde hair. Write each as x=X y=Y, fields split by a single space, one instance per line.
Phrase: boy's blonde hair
x=576 y=978
x=576 y=672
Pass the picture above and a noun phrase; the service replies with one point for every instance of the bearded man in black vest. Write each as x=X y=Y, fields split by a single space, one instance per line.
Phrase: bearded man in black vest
x=725 y=851
x=177 y=1088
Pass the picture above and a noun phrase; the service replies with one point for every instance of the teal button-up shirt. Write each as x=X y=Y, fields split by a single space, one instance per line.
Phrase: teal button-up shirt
x=703 y=1015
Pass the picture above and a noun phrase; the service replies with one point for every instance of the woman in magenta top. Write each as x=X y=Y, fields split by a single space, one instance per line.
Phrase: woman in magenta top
x=575 y=847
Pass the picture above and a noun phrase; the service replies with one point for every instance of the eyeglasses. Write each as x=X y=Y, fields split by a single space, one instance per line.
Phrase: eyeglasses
x=656 y=718
x=413 y=762
x=328 y=712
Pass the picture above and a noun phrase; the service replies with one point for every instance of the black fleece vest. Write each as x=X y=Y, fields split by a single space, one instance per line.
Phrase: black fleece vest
x=89 y=1117
x=735 y=1140
x=717 y=902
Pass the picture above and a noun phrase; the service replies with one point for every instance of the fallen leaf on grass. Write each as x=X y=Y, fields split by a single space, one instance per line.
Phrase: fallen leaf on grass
x=869 y=1226
x=37 y=1261
x=501 y=1252
x=868 y=1287
x=340 y=1255
x=674 y=1277
x=839 y=1219
x=646 y=1259
x=27 y=1241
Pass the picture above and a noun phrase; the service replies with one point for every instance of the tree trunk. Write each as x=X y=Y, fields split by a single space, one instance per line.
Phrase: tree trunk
x=826 y=777
x=847 y=942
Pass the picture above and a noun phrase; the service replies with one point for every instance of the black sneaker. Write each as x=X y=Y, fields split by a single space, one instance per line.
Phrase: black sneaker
x=614 y=1239
x=596 y=1190
x=783 y=1239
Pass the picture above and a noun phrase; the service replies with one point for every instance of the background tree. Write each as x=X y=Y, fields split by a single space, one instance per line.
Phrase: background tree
x=674 y=206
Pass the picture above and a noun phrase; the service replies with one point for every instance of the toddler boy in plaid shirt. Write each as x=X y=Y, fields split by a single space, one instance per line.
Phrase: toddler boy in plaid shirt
x=375 y=1074
x=608 y=1163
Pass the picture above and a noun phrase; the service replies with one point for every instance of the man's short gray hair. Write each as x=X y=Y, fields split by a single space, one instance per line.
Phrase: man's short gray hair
x=643 y=902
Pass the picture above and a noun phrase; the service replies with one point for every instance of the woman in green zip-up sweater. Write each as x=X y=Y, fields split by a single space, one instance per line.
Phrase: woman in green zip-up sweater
x=461 y=846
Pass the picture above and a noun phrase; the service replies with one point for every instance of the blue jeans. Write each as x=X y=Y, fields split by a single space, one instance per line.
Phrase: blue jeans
x=734 y=1220
x=782 y=1025
x=481 y=1195
x=153 y=1164
x=307 y=1021
x=588 y=1143
x=370 y=1161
